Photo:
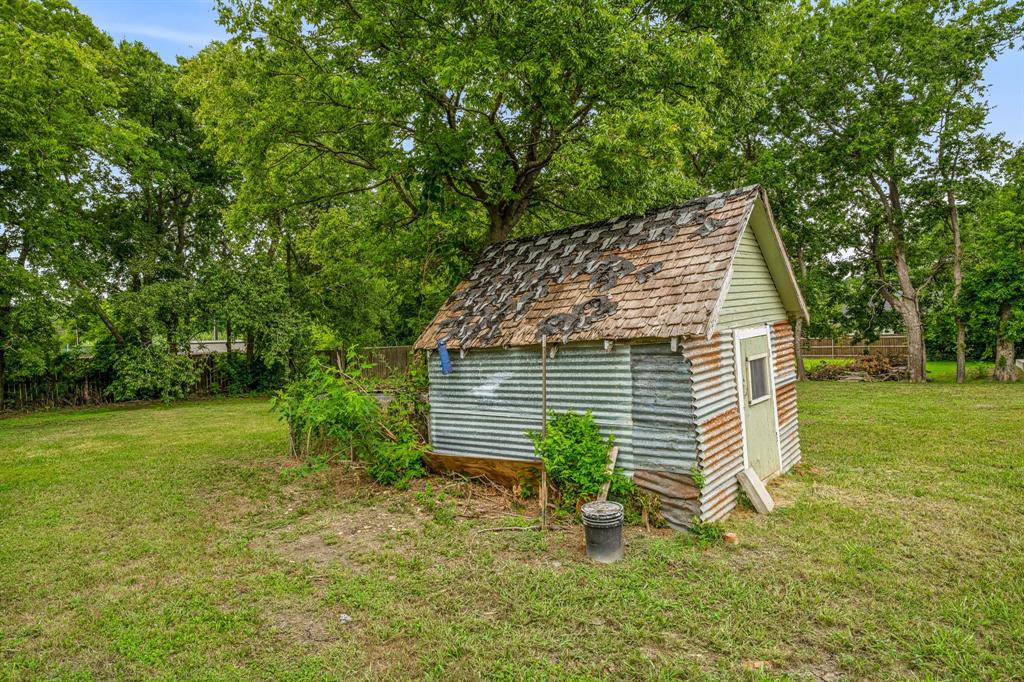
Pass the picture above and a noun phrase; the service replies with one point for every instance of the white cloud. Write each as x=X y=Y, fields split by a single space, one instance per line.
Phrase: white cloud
x=194 y=38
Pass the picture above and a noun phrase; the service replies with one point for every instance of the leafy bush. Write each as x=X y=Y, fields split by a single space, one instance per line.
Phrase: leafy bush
x=396 y=463
x=324 y=411
x=236 y=373
x=575 y=455
x=638 y=505
x=329 y=412
x=706 y=532
x=149 y=372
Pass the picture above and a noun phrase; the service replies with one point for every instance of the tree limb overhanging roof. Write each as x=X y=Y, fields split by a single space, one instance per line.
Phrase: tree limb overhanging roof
x=657 y=275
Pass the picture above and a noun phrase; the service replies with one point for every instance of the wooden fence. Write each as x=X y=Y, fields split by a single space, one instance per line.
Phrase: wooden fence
x=891 y=345
x=379 y=362
x=90 y=388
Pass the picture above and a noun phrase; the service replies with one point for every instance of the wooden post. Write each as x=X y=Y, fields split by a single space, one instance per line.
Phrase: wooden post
x=543 y=430
x=613 y=455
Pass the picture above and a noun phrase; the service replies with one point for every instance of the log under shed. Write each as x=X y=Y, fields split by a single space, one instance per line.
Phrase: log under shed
x=673 y=327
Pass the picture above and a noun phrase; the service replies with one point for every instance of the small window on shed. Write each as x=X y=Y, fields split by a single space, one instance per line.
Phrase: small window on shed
x=757 y=378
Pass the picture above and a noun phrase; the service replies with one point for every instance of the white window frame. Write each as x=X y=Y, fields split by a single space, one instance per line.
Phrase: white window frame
x=737 y=336
x=767 y=382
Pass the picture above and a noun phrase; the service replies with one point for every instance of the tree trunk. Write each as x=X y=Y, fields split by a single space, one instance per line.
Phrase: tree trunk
x=958 y=279
x=172 y=331
x=105 y=319
x=798 y=340
x=916 y=352
x=227 y=335
x=500 y=229
x=1005 y=354
x=910 y=310
x=250 y=343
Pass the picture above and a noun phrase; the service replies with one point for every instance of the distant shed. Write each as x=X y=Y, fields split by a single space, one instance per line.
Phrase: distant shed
x=673 y=327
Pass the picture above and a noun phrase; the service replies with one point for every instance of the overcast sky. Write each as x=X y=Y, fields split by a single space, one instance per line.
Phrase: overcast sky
x=183 y=27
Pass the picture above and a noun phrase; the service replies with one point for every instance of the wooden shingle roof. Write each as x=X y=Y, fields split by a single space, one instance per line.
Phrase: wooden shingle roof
x=657 y=275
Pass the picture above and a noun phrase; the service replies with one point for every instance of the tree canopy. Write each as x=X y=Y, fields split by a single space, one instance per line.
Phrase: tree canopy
x=327 y=174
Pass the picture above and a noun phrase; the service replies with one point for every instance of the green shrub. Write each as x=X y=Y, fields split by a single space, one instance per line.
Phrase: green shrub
x=325 y=411
x=706 y=532
x=575 y=455
x=151 y=372
x=328 y=412
x=235 y=372
x=396 y=464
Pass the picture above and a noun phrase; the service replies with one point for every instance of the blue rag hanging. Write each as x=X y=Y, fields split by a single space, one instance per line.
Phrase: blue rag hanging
x=446 y=362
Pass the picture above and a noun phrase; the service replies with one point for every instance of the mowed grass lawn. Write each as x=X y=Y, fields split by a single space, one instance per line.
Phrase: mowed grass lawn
x=171 y=542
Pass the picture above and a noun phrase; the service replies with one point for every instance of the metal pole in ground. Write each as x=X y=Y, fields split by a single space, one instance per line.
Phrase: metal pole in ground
x=543 y=429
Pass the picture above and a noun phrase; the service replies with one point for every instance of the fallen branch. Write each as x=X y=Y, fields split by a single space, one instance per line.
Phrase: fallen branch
x=535 y=526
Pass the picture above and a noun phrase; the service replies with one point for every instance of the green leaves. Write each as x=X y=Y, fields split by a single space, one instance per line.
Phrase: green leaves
x=483 y=101
x=329 y=413
x=151 y=372
x=575 y=455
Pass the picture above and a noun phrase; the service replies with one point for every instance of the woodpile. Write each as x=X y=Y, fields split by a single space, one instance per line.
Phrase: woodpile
x=868 y=368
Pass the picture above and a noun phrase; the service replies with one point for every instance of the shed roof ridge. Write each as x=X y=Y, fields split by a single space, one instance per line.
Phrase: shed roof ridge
x=608 y=222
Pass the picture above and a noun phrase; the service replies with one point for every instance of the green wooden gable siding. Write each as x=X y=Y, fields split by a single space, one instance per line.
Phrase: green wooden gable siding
x=752 y=297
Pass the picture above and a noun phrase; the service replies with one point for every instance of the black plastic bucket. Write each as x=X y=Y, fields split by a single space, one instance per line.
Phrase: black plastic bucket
x=602 y=523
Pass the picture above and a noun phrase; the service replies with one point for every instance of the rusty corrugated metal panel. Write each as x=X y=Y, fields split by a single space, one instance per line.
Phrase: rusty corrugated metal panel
x=790 y=438
x=785 y=401
x=493 y=397
x=720 y=433
x=721 y=460
x=714 y=378
x=679 y=495
x=783 y=351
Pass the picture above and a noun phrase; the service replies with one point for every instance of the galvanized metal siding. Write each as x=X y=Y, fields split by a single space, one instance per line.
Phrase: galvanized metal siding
x=493 y=397
x=719 y=430
x=784 y=360
x=664 y=415
x=752 y=297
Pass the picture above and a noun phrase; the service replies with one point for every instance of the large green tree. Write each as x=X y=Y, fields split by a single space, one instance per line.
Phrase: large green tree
x=504 y=105
x=994 y=273
x=881 y=97
x=59 y=137
x=382 y=144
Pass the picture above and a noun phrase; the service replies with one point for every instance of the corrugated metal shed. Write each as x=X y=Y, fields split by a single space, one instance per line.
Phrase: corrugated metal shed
x=640 y=393
x=492 y=397
x=674 y=404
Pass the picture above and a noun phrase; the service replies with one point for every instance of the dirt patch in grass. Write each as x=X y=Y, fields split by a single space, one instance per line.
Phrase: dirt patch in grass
x=360 y=519
x=305 y=627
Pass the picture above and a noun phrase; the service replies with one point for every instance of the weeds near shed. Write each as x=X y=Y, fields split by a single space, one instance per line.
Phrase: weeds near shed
x=706 y=532
x=436 y=503
x=575 y=455
x=331 y=413
x=697 y=474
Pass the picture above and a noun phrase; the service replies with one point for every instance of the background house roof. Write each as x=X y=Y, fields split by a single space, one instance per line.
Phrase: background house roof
x=656 y=275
